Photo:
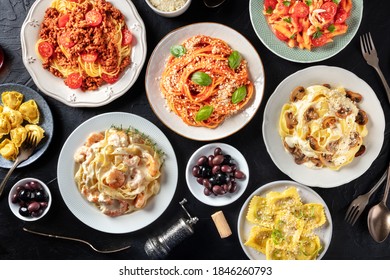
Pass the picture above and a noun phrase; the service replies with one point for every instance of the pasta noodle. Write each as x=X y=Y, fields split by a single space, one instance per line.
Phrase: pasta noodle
x=307 y=23
x=283 y=226
x=323 y=127
x=118 y=170
x=85 y=42
x=17 y=118
x=205 y=81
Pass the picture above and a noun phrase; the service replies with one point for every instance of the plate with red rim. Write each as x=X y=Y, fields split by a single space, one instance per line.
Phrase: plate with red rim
x=55 y=87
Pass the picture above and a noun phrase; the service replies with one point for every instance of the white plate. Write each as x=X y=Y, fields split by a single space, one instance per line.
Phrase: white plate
x=157 y=64
x=45 y=121
x=307 y=195
x=197 y=190
x=55 y=87
x=87 y=212
x=268 y=38
x=325 y=178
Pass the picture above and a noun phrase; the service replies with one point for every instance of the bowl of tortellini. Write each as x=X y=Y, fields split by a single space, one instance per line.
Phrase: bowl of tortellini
x=22 y=111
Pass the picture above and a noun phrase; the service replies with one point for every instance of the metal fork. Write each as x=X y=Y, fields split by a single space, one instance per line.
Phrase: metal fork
x=358 y=205
x=25 y=152
x=370 y=55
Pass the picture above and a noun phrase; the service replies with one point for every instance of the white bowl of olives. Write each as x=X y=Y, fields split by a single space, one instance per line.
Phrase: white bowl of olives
x=30 y=199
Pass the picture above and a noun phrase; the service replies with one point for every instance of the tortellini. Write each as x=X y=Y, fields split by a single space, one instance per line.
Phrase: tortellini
x=17 y=119
x=283 y=226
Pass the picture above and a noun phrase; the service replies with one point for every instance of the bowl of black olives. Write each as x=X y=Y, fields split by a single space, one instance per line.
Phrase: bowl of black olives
x=29 y=199
x=217 y=174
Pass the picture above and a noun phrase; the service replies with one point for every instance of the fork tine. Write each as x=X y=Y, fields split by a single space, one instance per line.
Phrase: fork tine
x=351 y=210
x=357 y=215
x=373 y=50
x=362 y=45
x=352 y=215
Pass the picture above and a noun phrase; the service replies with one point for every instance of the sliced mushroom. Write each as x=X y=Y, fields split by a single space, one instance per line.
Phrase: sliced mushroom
x=329 y=122
x=326 y=159
x=332 y=146
x=354 y=96
x=361 y=118
x=343 y=112
x=291 y=121
x=327 y=85
x=361 y=151
x=299 y=157
x=311 y=114
x=288 y=148
x=297 y=94
x=313 y=143
x=354 y=139
x=317 y=162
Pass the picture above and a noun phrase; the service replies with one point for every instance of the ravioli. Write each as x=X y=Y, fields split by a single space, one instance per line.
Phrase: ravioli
x=283 y=226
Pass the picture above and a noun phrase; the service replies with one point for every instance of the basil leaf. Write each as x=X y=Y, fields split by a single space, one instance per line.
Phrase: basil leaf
x=178 y=50
x=287 y=19
x=201 y=78
x=234 y=60
x=309 y=2
x=287 y=3
x=317 y=34
x=204 y=113
x=269 y=10
x=239 y=94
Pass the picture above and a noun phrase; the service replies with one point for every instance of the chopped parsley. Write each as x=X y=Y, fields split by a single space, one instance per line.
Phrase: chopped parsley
x=287 y=19
x=336 y=1
x=269 y=10
x=331 y=28
x=309 y=2
x=287 y=3
x=317 y=34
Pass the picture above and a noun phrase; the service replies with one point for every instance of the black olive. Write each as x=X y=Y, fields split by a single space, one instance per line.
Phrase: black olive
x=221 y=178
x=24 y=211
x=205 y=171
x=227 y=159
x=25 y=195
x=40 y=196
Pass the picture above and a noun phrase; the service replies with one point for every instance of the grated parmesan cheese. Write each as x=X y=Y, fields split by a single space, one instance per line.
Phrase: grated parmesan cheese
x=168 y=5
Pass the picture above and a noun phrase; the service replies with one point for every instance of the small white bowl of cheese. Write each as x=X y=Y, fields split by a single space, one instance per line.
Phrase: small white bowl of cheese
x=169 y=8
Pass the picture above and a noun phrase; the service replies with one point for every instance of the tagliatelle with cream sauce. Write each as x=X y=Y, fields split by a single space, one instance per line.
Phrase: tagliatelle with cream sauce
x=118 y=170
x=323 y=127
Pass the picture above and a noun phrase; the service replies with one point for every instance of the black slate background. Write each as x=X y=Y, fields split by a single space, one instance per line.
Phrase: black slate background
x=347 y=242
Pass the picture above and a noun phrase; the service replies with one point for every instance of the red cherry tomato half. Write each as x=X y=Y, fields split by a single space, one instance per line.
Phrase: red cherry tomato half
x=127 y=37
x=62 y=20
x=281 y=36
x=110 y=79
x=65 y=40
x=330 y=10
x=341 y=16
x=74 y=80
x=320 y=41
x=93 y=18
x=45 y=49
x=301 y=10
x=89 y=57
x=270 y=4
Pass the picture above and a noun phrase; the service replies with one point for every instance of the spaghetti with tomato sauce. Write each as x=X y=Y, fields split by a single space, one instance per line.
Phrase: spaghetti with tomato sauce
x=307 y=23
x=85 y=42
x=205 y=81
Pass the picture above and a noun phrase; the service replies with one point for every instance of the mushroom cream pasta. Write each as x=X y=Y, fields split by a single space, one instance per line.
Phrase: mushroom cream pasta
x=118 y=170
x=323 y=127
x=284 y=227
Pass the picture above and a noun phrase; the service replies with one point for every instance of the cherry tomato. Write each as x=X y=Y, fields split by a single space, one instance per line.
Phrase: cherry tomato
x=281 y=36
x=74 y=80
x=89 y=57
x=127 y=37
x=319 y=41
x=330 y=10
x=270 y=4
x=62 y=20
x=45 y=49
x=93 y=18
x=110 y=79
x=65 y=40
x=341 y=16
x=301 y=10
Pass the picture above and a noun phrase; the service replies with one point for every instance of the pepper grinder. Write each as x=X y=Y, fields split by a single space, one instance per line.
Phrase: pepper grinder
x=158 y=247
